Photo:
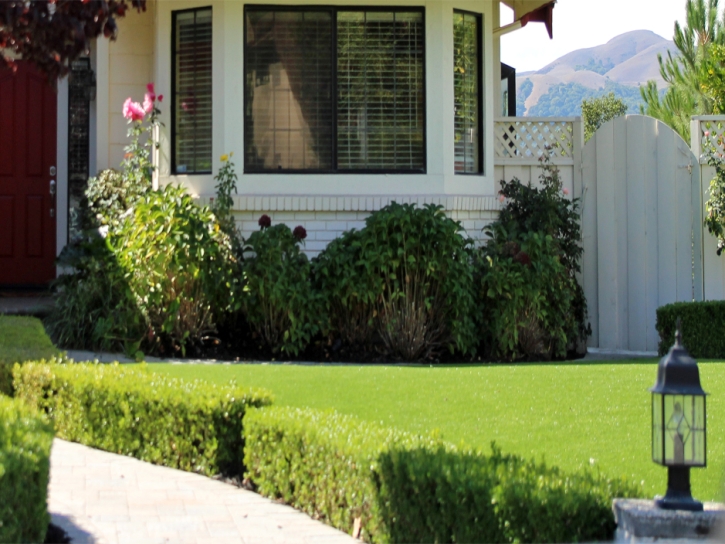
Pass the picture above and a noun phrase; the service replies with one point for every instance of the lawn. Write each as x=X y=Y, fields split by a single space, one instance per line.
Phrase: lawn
x=21 y=339
x=571 y=415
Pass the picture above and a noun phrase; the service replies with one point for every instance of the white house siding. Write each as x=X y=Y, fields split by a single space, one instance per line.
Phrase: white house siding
x=123 y=68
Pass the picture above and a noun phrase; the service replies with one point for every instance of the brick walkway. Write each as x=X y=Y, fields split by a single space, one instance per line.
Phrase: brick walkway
x=100 y=497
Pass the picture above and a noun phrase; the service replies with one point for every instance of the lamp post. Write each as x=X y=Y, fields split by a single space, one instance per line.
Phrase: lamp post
x=678 y=424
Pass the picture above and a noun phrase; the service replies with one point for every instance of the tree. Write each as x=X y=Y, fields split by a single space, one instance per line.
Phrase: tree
x=597 y=111
x=686 y=71
x=53 y=33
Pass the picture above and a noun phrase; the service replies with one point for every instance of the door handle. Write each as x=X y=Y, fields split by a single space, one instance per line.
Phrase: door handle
x=52 y=191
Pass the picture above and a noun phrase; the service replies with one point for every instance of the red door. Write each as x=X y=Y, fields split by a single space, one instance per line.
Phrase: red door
x=28 y=120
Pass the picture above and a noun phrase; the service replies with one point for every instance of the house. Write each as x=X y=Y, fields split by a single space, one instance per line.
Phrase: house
x=332 y=110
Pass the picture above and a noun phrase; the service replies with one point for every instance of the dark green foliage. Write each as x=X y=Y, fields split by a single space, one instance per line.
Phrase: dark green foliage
x=278 y=300
x=193 y=426
x=25 y=440
x=407 y=276
x=407 y=488
x=565 y=99
x=522 y=95
x=703 y=327
x=528 y=271
x=21 y=339
x=596 y=66
x=597 y=111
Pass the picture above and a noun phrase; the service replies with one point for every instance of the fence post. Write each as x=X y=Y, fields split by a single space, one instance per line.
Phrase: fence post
x=698 y=203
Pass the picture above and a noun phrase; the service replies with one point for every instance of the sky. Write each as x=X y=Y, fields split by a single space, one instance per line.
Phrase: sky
x=586 y=23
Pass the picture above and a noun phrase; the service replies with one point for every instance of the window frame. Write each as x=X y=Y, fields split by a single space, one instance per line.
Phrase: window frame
x=174 y=15
x=480 y=95
x=334 y=10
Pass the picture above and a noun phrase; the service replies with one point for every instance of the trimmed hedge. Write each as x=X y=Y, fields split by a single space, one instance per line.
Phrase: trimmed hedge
x=703 y=327
x=25 y=440
x=193 y=426
x=407 y=488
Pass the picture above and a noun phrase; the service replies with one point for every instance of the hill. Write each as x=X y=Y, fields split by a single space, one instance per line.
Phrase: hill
x=621 y=65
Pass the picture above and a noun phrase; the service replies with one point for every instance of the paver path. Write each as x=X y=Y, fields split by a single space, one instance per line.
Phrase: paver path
x=101 y=497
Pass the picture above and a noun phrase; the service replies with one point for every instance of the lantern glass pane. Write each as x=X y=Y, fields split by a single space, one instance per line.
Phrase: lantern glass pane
x=684 y=432
x=657 y=425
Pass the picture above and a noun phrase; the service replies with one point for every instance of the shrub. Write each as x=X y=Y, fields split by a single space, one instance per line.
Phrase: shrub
x=21 y=339
x=529 y=296
x=278 y=300
x=178 y=265
x=548 y=213
x=222 y=207
x=108 y=196
x=703 y=327
x=25 y=440
x=406 y=488
x=408 y=273
x=193 y=426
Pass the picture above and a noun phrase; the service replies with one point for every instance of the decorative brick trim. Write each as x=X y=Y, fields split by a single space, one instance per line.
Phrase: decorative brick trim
x=301 y=203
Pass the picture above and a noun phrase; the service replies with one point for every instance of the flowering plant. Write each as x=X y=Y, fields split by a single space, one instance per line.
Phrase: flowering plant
x=142 y=118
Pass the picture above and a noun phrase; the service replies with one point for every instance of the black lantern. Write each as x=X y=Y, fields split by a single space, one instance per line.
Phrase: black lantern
x=678 y=424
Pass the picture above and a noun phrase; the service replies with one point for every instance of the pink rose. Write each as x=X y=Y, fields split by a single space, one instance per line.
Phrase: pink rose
x=148 y=102
x=161 y=98
x=133 y=110
x=501 y=198
x=150 y=88
x=565 y=191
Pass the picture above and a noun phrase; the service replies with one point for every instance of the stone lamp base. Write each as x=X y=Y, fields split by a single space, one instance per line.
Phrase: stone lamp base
x=643 y=521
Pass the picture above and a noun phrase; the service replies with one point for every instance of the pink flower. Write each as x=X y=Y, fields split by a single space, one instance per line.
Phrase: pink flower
x=148 y=102
x=150 y=88
x=501 y=198
x=565 y=191
x=161 y=98
x=707 y=133
x=133 y=110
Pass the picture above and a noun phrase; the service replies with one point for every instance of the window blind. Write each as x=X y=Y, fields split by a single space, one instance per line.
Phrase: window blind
x=330 y=89
x=192 y=122
x=466 y=81
x=380 y=110
x=288 y=74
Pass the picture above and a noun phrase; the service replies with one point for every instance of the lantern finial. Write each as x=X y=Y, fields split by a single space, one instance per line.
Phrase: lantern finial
x=678 y=333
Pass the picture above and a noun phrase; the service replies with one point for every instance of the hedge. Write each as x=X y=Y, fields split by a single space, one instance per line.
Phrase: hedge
x=25 y=440
x=408 y=488
x=703 y=327
x=189 y=425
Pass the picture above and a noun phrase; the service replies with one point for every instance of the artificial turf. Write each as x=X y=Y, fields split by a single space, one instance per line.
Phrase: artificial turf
x=570 y=415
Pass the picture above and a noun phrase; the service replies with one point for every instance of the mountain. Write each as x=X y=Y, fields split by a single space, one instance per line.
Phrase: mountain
x=621 y=65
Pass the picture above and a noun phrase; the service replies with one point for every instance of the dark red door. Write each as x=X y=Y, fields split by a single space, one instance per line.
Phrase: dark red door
x=28 y=107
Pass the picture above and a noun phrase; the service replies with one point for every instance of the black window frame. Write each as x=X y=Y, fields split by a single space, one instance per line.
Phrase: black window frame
x=174 y=15
x=480 y=97
x=334 y=10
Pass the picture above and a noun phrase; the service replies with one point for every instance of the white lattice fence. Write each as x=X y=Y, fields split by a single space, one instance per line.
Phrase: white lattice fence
x=711 y=133
x=528 y=137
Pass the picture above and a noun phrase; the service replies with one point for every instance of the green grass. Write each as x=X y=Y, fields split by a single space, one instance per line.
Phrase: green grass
x=21 y=339
x=571 y=415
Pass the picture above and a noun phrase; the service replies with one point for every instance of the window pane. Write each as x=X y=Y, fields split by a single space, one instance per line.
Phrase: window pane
x=288 y=86
x=192 y=92
x=380 y=111
x=466 y=78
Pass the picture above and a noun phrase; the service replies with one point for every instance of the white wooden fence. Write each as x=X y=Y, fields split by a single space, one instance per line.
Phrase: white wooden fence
x=641 y=220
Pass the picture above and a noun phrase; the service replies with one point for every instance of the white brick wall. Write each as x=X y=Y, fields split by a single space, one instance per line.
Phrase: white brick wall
x=324 y=226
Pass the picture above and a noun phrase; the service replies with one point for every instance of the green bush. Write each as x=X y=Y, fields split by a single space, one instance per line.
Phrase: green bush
x=193 y=426
x=21 y=339
x=544 y=222
x=25 y=440
x=703 y=327
x=529 y=295
x=408 y=277
x=178 y=266
x=406 y=488
x=278 y=301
